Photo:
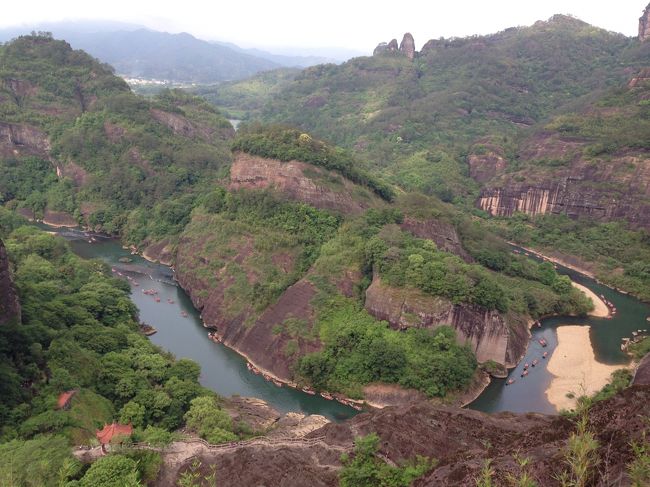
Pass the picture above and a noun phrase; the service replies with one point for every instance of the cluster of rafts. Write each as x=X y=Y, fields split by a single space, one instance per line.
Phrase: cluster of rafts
x=147 y=292
x=527 y=366
x=609 y=304
x=214 y=336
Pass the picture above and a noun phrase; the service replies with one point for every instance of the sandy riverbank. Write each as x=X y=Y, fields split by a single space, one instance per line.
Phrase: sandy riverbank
x=574 y=367
x=600 y=308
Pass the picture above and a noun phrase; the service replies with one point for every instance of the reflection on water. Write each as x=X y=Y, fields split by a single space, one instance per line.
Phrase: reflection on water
x=180 y=330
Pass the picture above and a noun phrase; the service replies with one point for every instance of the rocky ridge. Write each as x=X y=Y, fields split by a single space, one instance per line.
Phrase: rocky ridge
x=488 y=333
x=460 y=440
x=301 y=182
x=644 y=25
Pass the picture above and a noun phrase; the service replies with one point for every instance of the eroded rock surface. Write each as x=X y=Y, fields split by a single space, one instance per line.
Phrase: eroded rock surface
x=23 y=140
x=644 y=25
x=487 y=332
x=460 y=440
x=618 y=188
x=407 y=46
x=300 y=181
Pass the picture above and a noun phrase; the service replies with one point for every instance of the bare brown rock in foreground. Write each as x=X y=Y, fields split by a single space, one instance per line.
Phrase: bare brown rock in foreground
x=459 y=439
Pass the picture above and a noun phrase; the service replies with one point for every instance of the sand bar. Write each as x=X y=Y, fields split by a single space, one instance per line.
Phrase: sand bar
x=600 y=308
x=575 y=368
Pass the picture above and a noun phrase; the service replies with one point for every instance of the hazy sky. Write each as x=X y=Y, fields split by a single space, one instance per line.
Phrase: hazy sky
x=341 y=23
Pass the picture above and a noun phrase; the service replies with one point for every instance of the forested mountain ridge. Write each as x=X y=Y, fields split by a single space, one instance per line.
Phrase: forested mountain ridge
x=499 y=123
x=417 y=119
x=389 y=287
x=113 y=151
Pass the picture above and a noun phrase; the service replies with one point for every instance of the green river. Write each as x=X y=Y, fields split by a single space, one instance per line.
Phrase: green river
x=180 y=331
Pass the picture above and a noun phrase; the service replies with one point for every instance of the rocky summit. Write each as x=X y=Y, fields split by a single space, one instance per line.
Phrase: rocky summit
x=644 y=25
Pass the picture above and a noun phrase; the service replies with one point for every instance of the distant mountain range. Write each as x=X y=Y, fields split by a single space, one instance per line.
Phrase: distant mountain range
x=135 y=51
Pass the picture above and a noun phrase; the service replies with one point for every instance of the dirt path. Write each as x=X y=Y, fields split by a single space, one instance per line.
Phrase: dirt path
x=179 y=452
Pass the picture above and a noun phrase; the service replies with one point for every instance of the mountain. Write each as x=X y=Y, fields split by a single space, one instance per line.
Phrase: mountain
x=500 y=122
x=168 y=176
x=136 y=51
x=295 y=61
x=61 y=109
x=394 y=111
x=158 y=55
x=325 y=266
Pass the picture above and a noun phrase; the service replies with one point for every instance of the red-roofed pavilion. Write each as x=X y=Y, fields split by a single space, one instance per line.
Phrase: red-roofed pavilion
x=111 y=431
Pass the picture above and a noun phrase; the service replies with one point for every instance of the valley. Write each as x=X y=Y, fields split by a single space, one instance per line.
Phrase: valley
x=421 y=267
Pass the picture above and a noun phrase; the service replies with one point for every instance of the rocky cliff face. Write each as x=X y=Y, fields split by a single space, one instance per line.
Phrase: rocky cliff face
x=9 y=303
x=219 y=276
x=23 y=140
x=301 y=182
x=644 y=25
x=559 y=178
x=407 y=46
x=460 y=440
x=442 y=233
x=487 y=332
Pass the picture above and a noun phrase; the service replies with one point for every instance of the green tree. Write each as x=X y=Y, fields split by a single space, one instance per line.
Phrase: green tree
x=112 y=471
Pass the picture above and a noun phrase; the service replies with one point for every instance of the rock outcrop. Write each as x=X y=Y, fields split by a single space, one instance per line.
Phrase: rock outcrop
x=59 y=219
x=642 y=372
x=487 y=332
x=9 y=303
x=486 y=162
x=23 y=140
x=77 y=174
x=460 y=440
x=644 y=25
x=300 y=181
x=560 y=178
x=407 y=46
x=443 y=234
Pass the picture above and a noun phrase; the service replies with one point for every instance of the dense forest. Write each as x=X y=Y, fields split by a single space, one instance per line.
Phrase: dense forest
x=79 y=331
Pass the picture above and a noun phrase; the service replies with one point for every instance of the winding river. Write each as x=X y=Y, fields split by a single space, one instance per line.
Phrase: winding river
x=528 y=394
x=180 y=331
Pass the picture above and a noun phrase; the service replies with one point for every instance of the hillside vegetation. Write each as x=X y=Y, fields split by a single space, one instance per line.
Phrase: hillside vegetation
x=116 y=151
x=79 y=332
x=472 y=116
